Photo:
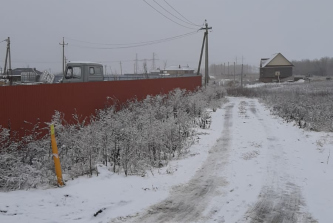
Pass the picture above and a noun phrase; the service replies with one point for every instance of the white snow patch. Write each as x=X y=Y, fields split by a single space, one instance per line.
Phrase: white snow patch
x=261 y=144
x=115 y=195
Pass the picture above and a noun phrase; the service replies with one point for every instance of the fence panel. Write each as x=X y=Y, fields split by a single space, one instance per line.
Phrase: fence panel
x=23 y=106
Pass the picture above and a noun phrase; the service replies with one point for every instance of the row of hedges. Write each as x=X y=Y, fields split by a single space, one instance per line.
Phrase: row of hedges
x=310 y=105
x=142 y=135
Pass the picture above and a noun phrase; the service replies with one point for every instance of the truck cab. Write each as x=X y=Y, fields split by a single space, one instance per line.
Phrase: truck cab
x=83 y=72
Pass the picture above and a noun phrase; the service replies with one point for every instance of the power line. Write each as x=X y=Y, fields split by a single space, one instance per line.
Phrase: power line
x=124 y=44
x=181 y=14
x=139 y=45
x=166 y=16
x=174 y=15
x=27 y=61
x=57 y=62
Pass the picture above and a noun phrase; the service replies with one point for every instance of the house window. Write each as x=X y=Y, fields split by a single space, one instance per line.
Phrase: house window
x=91 y=70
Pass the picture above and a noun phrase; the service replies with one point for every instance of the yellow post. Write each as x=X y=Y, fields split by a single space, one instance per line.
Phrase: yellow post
x=56 y=157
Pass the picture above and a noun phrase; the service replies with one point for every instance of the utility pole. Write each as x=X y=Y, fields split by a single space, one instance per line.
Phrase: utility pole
x=121 y=69
x=236 y=62
x=228 y=69
x=202 y=47
x=206 y=56
x=8 y=59
x=224 y=68
x=136 y=63
x=242 y=71
x=206 y=53
x=104 y=70
x=234 y=72
x=153 y=61
x=242 y=77
x=63 y=54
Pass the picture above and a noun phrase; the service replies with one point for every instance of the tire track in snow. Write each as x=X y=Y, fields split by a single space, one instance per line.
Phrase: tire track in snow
x=280 y=200
x=187 y=202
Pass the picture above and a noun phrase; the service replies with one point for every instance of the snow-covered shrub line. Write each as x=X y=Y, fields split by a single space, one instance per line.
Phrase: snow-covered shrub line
x=309 y=105
x=142 y=135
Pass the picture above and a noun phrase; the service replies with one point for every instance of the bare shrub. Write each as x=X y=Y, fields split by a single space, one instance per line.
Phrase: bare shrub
x=309 y=105
x=142 y=135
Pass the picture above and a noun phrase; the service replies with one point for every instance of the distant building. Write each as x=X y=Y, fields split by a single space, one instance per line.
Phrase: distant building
x=275 y=69
x=25 y=75
x=178 y=70
x=155 y=72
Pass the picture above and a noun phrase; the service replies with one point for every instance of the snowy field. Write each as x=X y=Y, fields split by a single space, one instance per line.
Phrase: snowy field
x=249 y=166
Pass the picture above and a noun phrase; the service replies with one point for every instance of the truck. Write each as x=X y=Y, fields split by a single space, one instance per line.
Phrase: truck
x=79 y=71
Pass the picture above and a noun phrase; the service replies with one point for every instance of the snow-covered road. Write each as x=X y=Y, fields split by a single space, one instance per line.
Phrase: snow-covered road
x=249 y=167
x=259 y=170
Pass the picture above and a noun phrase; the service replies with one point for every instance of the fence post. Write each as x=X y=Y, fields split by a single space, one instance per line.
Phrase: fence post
x=56 y=157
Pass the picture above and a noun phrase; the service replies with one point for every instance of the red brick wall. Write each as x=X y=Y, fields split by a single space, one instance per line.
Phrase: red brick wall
x=29 y=103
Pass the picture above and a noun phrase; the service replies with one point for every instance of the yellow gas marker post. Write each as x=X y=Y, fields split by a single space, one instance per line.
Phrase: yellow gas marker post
x=56 y=157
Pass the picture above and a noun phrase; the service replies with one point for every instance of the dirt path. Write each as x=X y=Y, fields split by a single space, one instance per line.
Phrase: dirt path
x=249 y=176
x=187 y=202
x=280 y=199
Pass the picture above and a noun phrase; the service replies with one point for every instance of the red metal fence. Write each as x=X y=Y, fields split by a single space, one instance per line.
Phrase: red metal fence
x=22 y=106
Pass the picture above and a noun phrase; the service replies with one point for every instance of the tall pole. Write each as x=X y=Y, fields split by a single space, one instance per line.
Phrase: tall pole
x=121 y=69
x=203 y=45
x=242 y=77
x=136 y=63
x=224 y=68
x=63 y=54
x=236 y=63
x=5 y=67
x=153 y=61
x=228 y=69
x=206 y=57
x=8 y=59
x=234 y=72
x=206 y=52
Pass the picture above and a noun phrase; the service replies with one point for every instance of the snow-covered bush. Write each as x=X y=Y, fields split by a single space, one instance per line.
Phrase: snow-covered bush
x=140 y=136
x=309 y=105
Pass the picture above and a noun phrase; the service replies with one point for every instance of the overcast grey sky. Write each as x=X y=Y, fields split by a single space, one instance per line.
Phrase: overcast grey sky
x=299 y=29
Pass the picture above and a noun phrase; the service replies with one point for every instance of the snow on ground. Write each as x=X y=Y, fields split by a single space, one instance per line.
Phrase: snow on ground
x=116 y=195
x=265 y=170
x=259 y=84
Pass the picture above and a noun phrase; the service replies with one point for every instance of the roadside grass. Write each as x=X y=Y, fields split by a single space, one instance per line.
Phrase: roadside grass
x=309 y=105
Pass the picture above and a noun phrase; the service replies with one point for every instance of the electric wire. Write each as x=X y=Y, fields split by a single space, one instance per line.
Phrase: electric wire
x=181 y=14
x=128 y=44
x=189 y=23
x=139 y=45
x=167 y=16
